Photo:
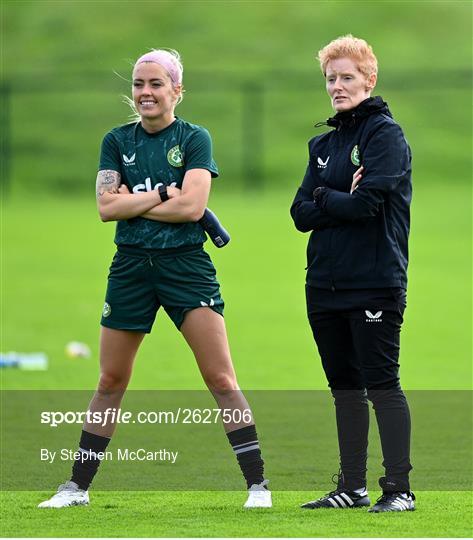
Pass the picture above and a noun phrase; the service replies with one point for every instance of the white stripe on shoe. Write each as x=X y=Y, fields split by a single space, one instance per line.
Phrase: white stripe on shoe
x=405 y=504
x=347 y=498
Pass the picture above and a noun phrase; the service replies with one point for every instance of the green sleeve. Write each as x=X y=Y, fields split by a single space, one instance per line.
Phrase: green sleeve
x=110 y=154
x=198 y=152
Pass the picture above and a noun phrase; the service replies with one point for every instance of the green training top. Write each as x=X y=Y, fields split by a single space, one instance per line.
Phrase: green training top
x=147 y=160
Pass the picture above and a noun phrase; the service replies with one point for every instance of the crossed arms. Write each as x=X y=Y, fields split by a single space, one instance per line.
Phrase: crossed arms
x=115 y=202
x=331 y=208
x=386 y=163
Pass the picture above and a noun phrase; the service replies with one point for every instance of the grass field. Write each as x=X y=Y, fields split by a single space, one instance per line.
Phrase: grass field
x=256 y=88
x=55 y=258
x=219 y=514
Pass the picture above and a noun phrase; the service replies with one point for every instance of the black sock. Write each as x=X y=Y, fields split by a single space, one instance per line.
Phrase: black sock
x=83 y=470
x=245 y=444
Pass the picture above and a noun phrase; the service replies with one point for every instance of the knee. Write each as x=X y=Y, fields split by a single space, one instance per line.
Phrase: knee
x=221 y=383
x=350 y=397
x=112 y=382
x=386 y=396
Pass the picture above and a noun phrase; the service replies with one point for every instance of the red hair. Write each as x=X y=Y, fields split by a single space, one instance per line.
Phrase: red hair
x=351 y=47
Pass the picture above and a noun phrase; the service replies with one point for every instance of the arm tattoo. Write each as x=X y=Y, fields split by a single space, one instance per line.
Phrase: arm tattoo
x=107 y=182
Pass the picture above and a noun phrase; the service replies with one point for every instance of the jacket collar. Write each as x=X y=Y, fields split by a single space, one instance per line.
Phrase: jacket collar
x=371 y=105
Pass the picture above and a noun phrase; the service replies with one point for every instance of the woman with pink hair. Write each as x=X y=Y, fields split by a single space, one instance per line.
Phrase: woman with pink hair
x=154 y=180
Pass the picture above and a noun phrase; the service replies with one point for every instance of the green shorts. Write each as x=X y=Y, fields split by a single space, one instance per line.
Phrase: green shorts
x=141 y=281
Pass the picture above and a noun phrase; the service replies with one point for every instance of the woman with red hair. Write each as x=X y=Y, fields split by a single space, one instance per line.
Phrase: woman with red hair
x=354 y=199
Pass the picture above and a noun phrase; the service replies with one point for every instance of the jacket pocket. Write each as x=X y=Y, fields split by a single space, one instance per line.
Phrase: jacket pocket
x=354 y=249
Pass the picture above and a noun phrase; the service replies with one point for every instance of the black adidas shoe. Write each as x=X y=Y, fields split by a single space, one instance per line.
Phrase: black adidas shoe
x=399 y=501
x=340 y=498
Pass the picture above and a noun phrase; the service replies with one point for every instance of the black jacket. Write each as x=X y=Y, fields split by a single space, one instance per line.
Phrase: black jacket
x=358 y=241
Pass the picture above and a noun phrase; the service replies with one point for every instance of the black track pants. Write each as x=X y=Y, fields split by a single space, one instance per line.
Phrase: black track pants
x=357 y=335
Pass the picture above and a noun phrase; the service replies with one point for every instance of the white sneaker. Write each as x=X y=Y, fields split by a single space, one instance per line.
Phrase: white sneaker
x=68 y=494
x=259 y=496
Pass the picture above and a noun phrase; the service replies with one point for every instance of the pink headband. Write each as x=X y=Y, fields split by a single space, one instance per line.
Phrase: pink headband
x=168 y=61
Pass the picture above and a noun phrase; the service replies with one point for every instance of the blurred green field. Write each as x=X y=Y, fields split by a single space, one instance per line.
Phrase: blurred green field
x=248 y=80
x=57 y=252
